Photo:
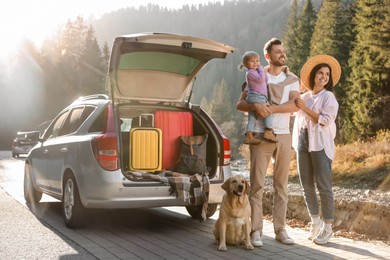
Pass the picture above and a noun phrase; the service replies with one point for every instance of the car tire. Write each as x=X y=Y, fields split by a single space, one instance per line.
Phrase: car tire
x=15 y=155
x=73 y=211
x=196 y=211
x=31 y=195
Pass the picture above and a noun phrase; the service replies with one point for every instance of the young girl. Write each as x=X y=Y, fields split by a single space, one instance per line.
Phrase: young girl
x=256 y=80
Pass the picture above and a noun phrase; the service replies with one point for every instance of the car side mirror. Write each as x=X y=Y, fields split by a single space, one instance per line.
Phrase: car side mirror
x=34 y=135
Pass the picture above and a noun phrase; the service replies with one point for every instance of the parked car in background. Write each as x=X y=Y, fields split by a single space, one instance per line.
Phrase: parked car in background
x=89 y=156
x=24 y=142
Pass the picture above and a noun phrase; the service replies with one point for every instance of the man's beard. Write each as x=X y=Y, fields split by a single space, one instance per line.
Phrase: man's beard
x=278 y=63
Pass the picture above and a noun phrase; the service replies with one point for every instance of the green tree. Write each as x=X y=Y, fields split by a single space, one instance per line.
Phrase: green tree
x=328 y=31
x=206 y=105
x=304 y=32
x=72 y=43
x=346 y=44
x=368 y=89
x=332 y=36
x=106 y=55
x=221 y=109
x=93 y=66
x=82 y=65
x=290 y=38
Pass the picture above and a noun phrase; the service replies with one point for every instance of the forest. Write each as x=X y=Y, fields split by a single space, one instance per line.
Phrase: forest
x=44 y=79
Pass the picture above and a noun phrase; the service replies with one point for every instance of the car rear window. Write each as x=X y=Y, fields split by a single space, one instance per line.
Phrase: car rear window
x=100 y=124
x=157 y=61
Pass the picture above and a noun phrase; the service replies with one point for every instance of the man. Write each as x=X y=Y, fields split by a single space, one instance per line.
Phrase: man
x=260 y=154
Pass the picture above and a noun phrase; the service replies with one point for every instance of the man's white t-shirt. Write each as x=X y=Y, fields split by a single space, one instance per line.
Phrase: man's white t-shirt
x=280 y=121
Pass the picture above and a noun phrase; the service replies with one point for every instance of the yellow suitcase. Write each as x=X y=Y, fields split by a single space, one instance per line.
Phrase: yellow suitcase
x=145 y=148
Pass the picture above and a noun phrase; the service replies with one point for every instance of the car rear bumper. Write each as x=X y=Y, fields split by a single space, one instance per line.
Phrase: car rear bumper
x=117 y=193
x=132 y=198
x=21 y=149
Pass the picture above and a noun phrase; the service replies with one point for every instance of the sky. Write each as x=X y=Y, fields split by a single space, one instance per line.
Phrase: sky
x=37 y=20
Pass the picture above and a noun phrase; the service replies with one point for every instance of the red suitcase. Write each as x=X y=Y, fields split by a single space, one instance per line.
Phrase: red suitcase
x=173 y=124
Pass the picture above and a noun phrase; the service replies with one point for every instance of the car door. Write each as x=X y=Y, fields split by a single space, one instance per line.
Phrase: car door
x=41 y=156
x=64 y=149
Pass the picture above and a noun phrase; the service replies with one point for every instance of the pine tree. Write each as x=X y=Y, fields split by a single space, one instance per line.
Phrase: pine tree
x=305 y=28
x=368 y=89
x=92 y=65
x=72 y=45
x=332 y=36
x=106 y=55
x=222 y=109
x=290 y=38
x=345 y=48
x=206 y=105
x=328 y=29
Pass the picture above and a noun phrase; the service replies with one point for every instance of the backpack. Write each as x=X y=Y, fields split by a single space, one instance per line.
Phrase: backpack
x=192 y=154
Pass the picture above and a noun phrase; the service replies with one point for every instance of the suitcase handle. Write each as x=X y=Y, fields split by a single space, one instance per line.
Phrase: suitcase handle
x=145 y=115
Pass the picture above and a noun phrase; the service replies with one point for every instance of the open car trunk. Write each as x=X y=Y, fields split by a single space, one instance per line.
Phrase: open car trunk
x=158 y=67
x=150 y=81
x=151 y=140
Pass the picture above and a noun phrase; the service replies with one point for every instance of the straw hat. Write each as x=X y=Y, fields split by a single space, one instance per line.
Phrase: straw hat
x=315 y=60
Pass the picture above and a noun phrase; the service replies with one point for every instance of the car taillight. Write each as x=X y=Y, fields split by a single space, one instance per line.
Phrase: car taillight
x=226 y=151
x=106 y=151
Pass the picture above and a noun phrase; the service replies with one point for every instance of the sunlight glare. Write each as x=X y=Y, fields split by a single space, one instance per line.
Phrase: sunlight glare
x=37 y=20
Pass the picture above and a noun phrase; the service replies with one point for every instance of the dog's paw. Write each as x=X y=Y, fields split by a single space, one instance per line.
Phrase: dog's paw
x=222 y=248
x=249 y=247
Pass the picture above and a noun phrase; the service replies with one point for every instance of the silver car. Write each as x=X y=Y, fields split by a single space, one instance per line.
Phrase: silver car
x=24 y=142
x=83 y=158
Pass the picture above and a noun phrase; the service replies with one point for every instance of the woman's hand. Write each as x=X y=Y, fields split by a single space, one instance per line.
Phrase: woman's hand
x=299 y=103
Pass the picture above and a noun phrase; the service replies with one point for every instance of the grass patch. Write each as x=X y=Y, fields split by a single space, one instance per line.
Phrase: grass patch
x=363 y=165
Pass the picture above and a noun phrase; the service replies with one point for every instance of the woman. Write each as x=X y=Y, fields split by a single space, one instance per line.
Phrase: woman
x=313 y=140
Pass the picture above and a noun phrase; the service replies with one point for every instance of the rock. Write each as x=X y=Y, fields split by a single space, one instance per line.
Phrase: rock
x=367 y=193
x=361 y=211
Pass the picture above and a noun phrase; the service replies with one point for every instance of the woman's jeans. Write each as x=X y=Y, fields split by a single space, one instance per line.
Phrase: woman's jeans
x=315 y=170
x=257 y=98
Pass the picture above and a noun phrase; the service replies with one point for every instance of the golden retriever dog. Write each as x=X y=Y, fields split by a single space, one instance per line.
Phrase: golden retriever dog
x=233 y=225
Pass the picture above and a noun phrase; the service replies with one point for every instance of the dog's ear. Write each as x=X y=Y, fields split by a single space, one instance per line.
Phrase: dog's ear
x=247 y=187
x=226 y=185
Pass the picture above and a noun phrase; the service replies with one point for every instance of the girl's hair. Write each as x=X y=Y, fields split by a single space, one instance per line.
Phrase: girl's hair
x=313 y=72
x=247 y=55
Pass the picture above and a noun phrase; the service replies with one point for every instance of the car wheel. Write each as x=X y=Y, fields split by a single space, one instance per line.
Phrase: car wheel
x=196 y=211
x=74 y=213
x=31 y=195
x=15 y=155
